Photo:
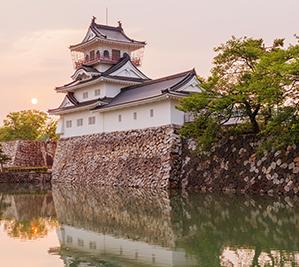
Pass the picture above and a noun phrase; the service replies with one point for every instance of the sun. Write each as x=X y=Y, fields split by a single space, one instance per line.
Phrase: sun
x=34 y=101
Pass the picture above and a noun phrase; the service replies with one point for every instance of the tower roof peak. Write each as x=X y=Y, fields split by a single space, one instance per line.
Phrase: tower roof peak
x=108 y=33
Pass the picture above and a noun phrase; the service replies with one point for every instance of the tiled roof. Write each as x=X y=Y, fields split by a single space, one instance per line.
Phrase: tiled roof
x=111 y=33
x=105 y=74
x=80 y=105
x=150 y=89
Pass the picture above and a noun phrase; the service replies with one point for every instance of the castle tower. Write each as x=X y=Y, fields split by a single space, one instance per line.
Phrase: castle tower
x=104 y=46
x=109 y=92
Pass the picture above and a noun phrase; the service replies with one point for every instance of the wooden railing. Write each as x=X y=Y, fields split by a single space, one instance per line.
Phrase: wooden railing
x=101 y=59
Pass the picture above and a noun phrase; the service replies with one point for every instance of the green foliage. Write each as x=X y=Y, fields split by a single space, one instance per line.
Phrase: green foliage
x=28 y=125
x=261 y=83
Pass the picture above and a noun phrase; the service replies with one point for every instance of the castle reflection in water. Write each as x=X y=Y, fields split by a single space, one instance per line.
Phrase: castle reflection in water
x=130 y=227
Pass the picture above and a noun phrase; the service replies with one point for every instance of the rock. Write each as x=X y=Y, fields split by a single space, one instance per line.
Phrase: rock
x=291 y=166
x=284 y=166
x=296 y=170
x=273 y=165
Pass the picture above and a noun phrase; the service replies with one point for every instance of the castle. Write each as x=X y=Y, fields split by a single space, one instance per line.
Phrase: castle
x=109 y=93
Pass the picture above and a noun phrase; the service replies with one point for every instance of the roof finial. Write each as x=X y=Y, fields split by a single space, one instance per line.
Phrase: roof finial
x=93 y=20
x=119 y=24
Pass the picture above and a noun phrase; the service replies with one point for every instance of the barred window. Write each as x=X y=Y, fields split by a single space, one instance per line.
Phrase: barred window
x=85 y=95
x=97 y=92
x=92 y=245
x=68 y=124
x=69 y=239
x=92 y=120
x=151 y=113
x=80 y=122
x=80 y=243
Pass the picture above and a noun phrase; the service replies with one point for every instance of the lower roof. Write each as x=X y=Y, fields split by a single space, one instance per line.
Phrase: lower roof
x=151 y=90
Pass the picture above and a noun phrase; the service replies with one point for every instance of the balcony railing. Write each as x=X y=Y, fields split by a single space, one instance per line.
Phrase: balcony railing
x=101 y=59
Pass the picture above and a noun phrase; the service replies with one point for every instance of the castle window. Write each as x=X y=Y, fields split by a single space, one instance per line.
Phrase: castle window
x=92 y=55
x=85 y=95
x=68 y=124
x=97 y=92
x=151 y=113
x=69 y=239
x=92 y=245
x=98 y=54
x=80 y=243
x=86 y=58
x=106 y=54
x=80 y=122
x=115 y=54
x=119 y=118
x=135 y=115
x=92 y=120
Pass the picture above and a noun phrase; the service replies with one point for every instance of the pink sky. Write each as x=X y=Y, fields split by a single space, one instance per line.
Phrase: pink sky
x=35 y=35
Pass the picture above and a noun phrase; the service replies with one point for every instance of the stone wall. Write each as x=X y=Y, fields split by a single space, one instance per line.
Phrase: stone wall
x=25 y=178
x=29 y=153
x=137 y=158
x=234 y=166
x=159 y=158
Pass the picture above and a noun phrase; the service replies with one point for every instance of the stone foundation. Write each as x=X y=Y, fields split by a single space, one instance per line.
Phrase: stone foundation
x=29 y=153
x=234 y=166
x=159 y=158
x=137 y=158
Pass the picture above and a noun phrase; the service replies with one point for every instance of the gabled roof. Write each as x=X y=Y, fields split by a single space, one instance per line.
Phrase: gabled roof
x=106 y=32
x=152 y=89
x=79 y=105
x=108 y=74
x=122 y=62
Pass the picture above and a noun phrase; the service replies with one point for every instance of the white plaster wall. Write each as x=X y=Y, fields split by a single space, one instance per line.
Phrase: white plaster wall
x=107 y=89
x=177 y=116
x=165 y=113
x=161 y=117
x=81 y=130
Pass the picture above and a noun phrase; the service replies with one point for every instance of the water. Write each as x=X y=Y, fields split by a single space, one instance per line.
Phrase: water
x=110 y=227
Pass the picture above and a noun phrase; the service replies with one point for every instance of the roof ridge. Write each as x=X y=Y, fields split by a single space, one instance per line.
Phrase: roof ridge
x=107 y=27
x=166 y=78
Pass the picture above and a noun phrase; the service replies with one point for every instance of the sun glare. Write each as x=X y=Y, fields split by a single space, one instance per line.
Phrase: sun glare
x=34 y=101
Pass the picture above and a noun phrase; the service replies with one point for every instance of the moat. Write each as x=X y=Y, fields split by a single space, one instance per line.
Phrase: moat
x=108 y=226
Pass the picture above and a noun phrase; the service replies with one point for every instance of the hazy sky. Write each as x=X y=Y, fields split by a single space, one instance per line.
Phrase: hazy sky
x=35 y=36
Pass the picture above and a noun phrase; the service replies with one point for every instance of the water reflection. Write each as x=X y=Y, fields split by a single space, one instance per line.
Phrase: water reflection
x=129 y=227
x=27 y=213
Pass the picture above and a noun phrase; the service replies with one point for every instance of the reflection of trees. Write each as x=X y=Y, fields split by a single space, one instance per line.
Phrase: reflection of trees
x=27 y=216
x=33 y=229
x=206 y=224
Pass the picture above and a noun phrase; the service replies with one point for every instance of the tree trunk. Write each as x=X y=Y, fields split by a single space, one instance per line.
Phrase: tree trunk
x=252 y=116
x=254 y=124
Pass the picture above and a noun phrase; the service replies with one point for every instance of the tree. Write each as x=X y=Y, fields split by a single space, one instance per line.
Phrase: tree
x=3 y=158
x=28 y=125
x=248 y=78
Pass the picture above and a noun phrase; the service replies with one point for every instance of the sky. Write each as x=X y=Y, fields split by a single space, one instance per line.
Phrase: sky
x=35 y=36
